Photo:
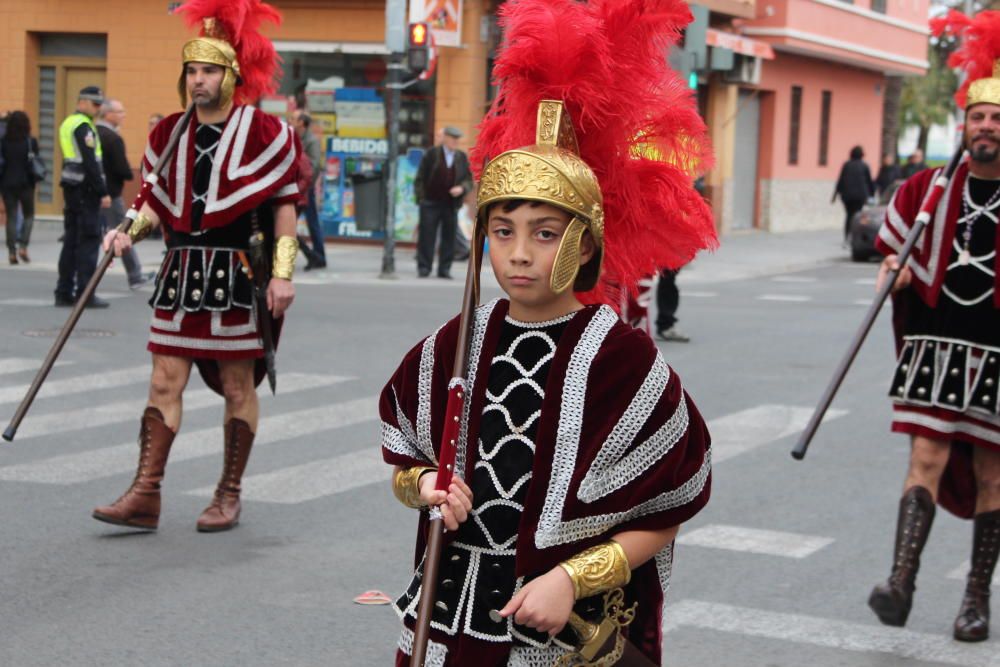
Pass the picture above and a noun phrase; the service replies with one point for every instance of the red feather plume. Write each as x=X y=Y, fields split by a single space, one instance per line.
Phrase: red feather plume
x=636 y=123
x=240 y=22
x=979 y=49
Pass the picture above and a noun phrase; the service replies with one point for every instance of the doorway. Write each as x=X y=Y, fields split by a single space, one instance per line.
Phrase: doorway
x=745 y=160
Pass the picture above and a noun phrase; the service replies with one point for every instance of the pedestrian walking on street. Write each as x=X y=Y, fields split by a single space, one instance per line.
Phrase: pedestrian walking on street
x=545 y=513
x=206 y=310
x=311 y=145
x=946 y=304
x=117 y=170
x=84 y=194
x=442 y=180
x=854 y=185
x=888 y=174
x=914 y=164
x=18 y=149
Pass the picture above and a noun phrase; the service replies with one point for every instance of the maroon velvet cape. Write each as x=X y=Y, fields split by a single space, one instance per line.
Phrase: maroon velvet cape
x=928 y=264
x=255 y=164
x=620 y=445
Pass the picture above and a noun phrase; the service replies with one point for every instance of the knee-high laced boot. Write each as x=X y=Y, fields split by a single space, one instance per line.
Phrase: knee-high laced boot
x=223 y=512
x=139 y=506
x=892 y=600
x=973 y=622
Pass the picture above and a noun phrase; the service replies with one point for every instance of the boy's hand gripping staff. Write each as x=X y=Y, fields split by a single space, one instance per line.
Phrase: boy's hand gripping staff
x=927 y=209
x=91 y=287
x=458 y=394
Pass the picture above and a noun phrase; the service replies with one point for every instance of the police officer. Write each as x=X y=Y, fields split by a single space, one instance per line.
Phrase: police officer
x=84 y=193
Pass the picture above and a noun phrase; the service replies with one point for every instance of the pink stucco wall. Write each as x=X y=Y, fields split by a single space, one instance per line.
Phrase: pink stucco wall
x=894 y=42
x=855 y=118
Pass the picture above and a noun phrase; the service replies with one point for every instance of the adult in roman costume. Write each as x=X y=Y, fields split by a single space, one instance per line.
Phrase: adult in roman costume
x=947 y=325
x=232 y=176
x=575 y=429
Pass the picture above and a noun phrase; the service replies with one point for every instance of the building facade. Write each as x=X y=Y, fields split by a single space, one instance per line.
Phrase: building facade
x=52 y=48
x=786 y=87
x=821 y=95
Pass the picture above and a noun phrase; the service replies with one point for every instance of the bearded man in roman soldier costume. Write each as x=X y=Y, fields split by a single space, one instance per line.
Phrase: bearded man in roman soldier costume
x=232 y=176
x=946 y=316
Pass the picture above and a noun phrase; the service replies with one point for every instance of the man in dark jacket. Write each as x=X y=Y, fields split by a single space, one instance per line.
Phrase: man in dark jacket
x=117 y=170
x=854 y=186
x=443 y=178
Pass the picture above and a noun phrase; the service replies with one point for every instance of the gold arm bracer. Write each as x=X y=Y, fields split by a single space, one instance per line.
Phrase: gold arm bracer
x=141 y=227
x=283 y=263
x=406 y=486
x=598 y=569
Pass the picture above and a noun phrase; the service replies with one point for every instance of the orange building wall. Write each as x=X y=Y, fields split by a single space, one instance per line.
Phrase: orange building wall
x=144 y=44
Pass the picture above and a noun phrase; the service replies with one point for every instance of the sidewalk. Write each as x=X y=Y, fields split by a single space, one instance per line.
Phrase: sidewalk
x=741 y=255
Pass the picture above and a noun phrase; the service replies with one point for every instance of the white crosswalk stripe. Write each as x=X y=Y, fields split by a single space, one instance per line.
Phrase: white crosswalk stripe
x=794 y=279
x=749 y=429
x=316 y=479
x=18 y=365
x=84 y=383
x=792 y=298
x=962 y=570
x=828 y=633
x=119 y=459
x=754 y=540
x=130 y=410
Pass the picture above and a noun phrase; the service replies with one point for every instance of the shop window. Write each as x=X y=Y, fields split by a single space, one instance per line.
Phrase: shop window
x=793 y=125
x=824 y=128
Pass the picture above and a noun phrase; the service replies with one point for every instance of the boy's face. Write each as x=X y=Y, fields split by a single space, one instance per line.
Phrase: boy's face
x=523 y=247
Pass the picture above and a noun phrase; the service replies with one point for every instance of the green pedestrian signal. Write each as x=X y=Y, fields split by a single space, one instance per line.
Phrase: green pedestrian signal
x=693 y=81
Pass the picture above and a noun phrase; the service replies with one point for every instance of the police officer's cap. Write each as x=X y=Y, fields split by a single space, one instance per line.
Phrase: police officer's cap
x=92 y=93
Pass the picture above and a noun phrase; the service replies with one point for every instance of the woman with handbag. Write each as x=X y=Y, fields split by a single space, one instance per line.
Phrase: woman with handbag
x=22 y=169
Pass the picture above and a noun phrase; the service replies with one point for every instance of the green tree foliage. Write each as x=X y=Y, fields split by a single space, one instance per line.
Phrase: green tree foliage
x=929 y=100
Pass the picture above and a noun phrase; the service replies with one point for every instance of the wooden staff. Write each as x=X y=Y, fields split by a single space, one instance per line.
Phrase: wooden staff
x=927 y=210
x=458 y=393
x=88 y=291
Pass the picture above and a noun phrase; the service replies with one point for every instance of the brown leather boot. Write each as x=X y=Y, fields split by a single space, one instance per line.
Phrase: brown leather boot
x=973 y=622
x=139 y=507
x=224 y=511
x=892 y=600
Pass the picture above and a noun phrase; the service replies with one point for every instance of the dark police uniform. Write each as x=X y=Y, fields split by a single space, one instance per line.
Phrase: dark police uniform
x=83 y=185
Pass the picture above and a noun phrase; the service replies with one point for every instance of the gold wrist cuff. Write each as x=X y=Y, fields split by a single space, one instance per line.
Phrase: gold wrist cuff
x=406 y=486
x=598 y=569
x=141 y=227
x=283 y=263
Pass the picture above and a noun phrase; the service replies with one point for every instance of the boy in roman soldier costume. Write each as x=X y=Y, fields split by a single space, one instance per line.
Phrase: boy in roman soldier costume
x=232 y=176
x=946 y=305
x=578 y=453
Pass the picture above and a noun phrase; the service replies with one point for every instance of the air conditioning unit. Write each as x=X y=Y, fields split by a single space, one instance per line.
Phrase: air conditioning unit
x=746 y=70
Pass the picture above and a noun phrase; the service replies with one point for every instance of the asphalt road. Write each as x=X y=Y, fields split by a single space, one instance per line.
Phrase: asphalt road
x=774 y=573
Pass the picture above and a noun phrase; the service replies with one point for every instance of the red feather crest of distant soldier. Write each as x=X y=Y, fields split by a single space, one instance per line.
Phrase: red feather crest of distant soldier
x=979 y=48
x=239 y=22
x=636 y=122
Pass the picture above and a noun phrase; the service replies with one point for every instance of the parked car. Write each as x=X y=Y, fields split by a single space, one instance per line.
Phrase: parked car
x=866 y=223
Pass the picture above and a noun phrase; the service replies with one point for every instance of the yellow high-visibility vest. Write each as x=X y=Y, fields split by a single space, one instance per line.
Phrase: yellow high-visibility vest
x=73 y=172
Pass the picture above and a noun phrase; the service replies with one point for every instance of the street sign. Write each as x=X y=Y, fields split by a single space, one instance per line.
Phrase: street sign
x=395 y=26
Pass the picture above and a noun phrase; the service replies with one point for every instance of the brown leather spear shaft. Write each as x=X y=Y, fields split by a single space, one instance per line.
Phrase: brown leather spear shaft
x=88 y=291
x=927 y=209
x=457 y=395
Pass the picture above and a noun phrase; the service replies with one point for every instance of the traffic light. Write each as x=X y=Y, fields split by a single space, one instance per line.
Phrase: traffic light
x=418 y=53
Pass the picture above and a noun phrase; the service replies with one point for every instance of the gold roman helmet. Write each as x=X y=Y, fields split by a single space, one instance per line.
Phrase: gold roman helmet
x=985 y=90
x=211 y=48
x=551 y=172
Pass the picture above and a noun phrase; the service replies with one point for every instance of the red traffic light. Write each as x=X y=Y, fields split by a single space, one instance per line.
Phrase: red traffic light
x=418 y=34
